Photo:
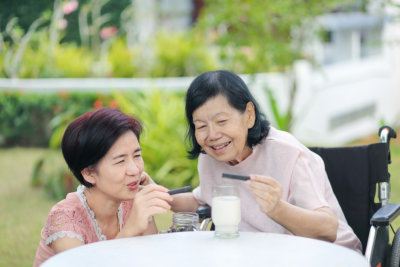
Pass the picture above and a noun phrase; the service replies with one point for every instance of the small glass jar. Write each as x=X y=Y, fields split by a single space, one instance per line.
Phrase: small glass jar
x=184 y=221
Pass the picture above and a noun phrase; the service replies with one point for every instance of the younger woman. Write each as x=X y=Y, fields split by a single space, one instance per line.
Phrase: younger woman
x=115 y=199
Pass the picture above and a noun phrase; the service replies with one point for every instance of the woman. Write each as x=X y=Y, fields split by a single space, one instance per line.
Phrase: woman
x=115 y=199
x=288 y=191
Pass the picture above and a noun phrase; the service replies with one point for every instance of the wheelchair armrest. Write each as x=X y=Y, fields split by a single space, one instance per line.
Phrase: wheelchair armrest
x=386 y=214
x=204 y=211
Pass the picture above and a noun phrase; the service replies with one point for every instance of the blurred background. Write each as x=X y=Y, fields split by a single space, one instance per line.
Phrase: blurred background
x=326 y=71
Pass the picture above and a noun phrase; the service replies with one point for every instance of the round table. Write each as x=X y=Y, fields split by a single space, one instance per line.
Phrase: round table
x=203 y=249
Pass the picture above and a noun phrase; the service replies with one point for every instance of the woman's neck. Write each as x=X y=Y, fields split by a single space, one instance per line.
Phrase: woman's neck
x=244 y=155
x=104 y=208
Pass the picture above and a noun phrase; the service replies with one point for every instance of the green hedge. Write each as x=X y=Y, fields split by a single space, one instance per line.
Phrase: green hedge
x=28 y=119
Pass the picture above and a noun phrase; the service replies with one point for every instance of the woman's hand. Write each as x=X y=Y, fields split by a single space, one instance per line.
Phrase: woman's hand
x=320 y=223
x=267 y=192
x=151 y=199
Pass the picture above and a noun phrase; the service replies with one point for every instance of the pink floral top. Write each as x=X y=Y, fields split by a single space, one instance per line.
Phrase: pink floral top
x=73 y=217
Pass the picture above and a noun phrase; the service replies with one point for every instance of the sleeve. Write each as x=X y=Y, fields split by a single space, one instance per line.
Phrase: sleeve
x=197 y=193
x=307 y=185
x=64 y=222
x=206 y=170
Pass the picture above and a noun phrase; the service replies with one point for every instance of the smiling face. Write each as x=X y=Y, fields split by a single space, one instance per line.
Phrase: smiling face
x=222 y=130
x=118 y=173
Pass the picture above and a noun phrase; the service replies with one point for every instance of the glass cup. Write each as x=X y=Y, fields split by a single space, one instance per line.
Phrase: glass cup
x=225 y=210
x=183 y=222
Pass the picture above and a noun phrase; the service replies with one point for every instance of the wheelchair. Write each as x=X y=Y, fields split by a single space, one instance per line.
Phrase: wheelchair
x=355 y=174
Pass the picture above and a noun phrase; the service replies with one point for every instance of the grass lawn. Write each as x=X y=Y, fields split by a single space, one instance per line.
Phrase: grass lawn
x=23 y=209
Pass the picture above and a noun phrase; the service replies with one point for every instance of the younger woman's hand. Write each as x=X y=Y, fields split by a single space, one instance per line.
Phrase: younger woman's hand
x=145 y=179
x=267 y=192
x=151 y=199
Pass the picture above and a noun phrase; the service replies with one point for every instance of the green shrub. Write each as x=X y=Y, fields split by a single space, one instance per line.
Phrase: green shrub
x=35 y=63
x=71 y=60
x=181 y=54
x=121 y=59
x=24 y=119
x=171 y=55
x=52 y=173
x=28 y=119
x=67 y=59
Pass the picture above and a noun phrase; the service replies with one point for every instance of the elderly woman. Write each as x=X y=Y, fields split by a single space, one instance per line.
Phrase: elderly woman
x=288 y=192
x=115 y=199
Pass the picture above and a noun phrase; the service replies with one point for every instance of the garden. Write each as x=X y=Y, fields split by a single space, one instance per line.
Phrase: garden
x=94 y=39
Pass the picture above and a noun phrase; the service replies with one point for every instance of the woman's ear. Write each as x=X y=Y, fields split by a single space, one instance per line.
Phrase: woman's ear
x=250 y=114
x=88 y=174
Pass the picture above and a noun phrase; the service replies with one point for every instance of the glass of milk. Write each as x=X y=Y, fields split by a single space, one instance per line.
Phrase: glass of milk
x=225 y=210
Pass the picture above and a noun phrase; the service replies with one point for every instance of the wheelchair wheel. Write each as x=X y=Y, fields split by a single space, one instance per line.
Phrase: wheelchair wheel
x=395 y=255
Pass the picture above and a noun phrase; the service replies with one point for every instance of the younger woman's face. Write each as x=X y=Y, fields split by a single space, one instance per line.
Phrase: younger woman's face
x=222 y=130
x=117 y=174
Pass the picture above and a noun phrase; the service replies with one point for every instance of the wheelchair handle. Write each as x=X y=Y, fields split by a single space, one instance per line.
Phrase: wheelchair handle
x=385 y=133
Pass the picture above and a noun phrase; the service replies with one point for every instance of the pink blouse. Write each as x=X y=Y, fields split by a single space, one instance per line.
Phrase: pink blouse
x=72 y=217
x=300 y=172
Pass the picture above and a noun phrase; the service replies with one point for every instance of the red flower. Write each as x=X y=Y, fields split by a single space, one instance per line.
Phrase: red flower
x=107 y=32
x=69 y=7
x=62 y=24
x=63 y=94
x=98 y=104
x=113 y=104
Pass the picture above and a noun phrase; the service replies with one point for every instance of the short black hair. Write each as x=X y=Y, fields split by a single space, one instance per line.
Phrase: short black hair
x=222 y=82
x=89 y=137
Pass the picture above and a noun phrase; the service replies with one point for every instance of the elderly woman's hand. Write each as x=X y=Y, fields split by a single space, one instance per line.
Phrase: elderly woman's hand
x=266 y=190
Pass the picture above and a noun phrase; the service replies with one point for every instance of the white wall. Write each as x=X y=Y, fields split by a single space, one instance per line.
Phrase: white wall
x=346 y=101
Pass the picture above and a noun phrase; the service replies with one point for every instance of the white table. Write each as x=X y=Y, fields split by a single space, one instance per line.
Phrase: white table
x=203 y=249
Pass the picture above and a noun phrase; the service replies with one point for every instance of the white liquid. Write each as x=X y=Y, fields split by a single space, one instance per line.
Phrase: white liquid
x=226 y=213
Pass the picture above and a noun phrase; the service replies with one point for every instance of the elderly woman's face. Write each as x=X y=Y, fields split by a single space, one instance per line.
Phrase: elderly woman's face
x=221 y=130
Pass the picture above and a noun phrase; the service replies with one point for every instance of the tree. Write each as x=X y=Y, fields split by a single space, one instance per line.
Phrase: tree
x=258 y=35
